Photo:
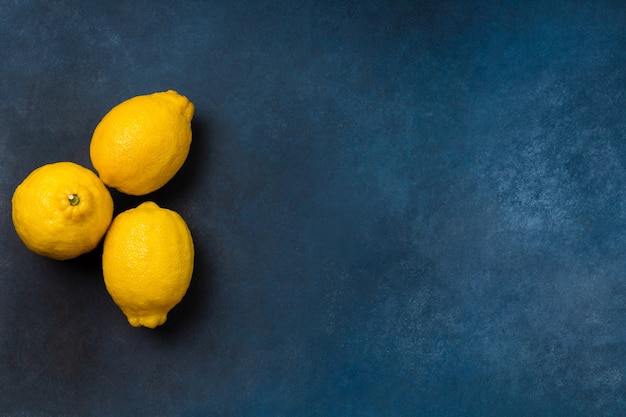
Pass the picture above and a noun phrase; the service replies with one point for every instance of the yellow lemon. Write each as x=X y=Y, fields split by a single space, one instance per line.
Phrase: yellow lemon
x=147 y=263
x=61 y=210
x=141 y=143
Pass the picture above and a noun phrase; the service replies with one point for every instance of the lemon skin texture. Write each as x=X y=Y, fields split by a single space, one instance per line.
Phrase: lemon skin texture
x=141 y=143
x=61 y=210
x=147 y=263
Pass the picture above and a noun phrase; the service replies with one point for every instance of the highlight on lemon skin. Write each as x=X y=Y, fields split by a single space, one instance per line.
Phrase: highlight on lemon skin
x=147 y=263
x=61 y=210
x=141 y=143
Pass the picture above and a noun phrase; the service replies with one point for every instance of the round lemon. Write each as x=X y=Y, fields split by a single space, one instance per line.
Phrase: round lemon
x=141 y=143
x=61 y=210
x=147 y=263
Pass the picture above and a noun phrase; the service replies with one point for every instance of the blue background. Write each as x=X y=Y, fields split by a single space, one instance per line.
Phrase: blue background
x=400 y=208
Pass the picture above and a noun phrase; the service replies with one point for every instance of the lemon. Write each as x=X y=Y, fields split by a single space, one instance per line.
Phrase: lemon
x=147 y=263
x=61 y=210
x=141 y=143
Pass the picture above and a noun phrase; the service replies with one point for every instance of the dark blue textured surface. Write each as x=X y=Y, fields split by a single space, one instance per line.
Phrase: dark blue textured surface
x=403 y=208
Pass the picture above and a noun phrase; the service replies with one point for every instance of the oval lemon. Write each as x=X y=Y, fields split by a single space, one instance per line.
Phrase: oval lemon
x=147 y=263
x=141 y=143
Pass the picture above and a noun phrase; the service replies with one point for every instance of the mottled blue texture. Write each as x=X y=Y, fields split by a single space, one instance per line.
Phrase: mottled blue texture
x=401 y=208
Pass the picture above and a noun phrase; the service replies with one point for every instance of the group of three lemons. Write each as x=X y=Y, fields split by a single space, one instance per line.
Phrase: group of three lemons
x=63 y=210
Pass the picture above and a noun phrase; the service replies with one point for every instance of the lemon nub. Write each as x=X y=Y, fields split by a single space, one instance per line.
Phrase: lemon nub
x=74 y=200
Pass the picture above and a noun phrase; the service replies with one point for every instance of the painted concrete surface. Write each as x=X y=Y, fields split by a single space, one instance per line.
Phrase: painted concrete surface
x=409 y=208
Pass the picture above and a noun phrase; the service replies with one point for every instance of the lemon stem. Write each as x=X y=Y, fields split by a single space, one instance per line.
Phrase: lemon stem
x=74 y=200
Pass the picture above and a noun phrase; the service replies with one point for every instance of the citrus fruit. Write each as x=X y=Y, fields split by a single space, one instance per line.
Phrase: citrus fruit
x=61 y=210
x=147 y=262
x=141 y=143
